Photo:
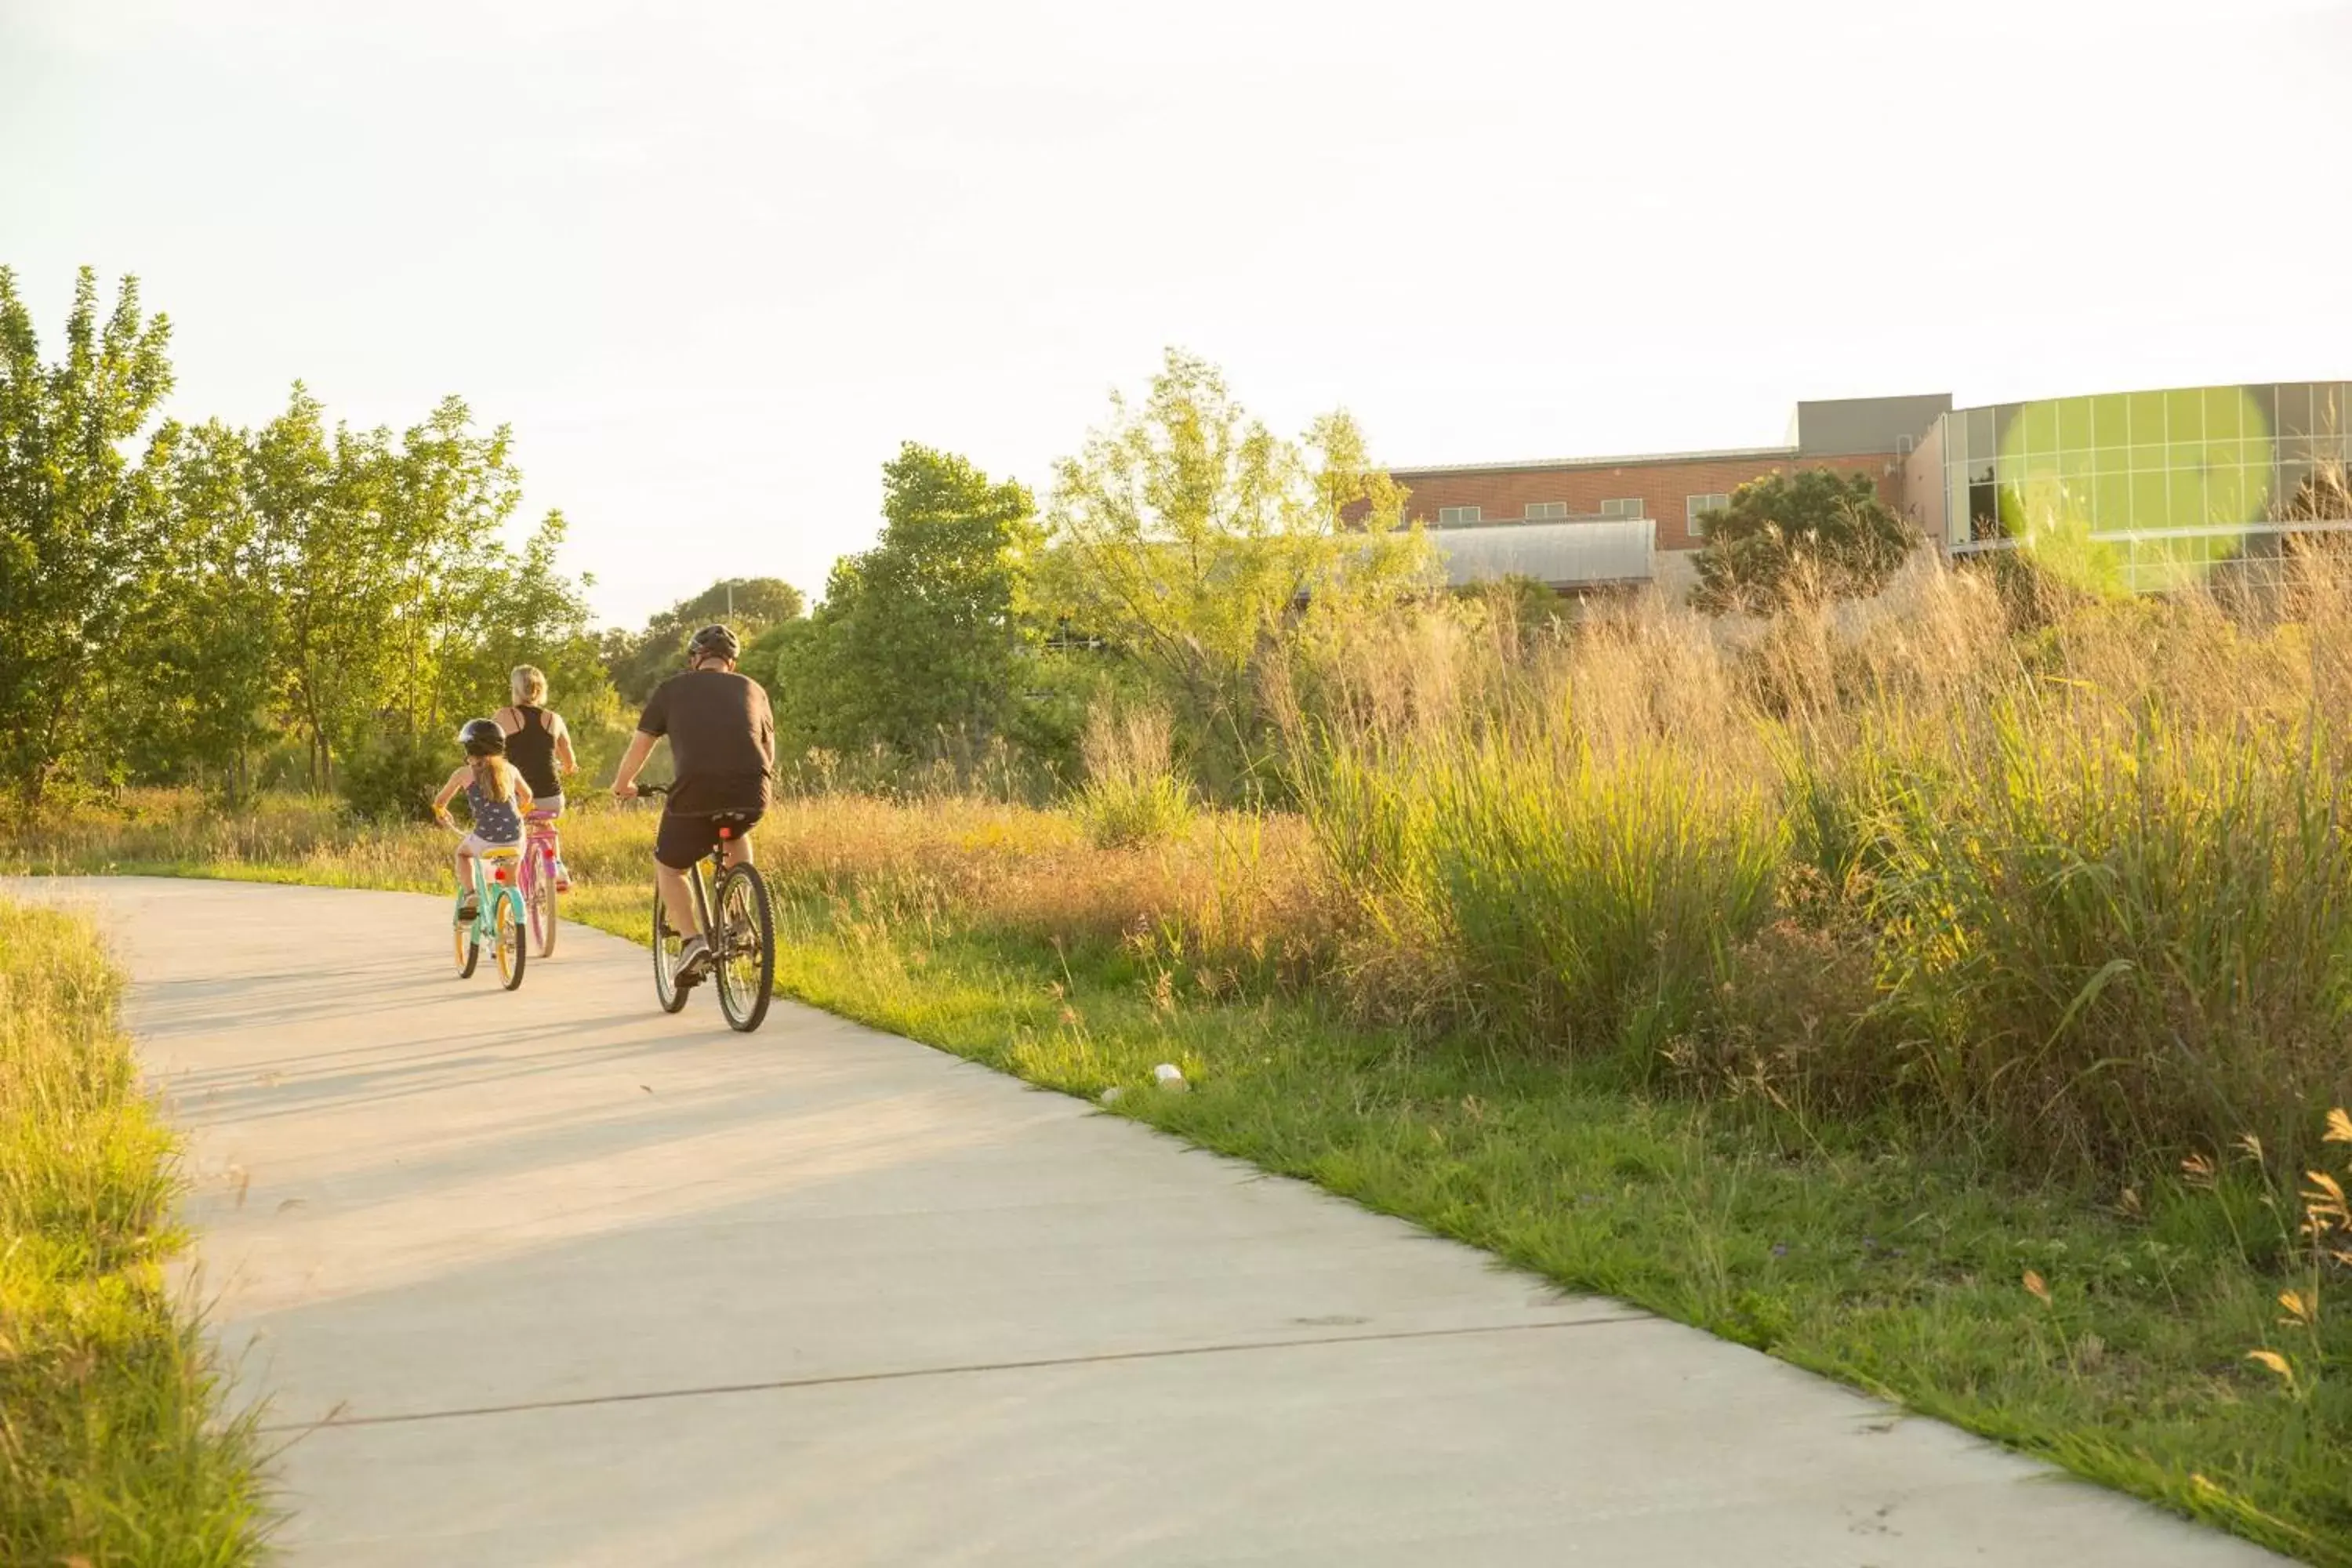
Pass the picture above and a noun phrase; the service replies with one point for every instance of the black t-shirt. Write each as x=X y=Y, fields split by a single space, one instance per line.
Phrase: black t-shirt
x=722 y=740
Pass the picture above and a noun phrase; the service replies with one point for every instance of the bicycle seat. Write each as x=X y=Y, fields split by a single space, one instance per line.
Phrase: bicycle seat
x=501 y=852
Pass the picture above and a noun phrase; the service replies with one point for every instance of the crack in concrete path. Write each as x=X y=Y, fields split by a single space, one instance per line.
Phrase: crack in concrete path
x=831 y=1379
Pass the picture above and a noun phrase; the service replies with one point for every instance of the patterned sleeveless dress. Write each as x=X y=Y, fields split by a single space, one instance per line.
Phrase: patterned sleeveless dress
x=496 y=822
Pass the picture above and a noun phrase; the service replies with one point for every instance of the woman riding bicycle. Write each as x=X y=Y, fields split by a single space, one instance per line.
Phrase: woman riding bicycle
x=539 y=747
x=496 y=792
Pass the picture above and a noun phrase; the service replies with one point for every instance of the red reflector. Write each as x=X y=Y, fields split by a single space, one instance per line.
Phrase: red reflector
x=726 y=833
x=500 y=875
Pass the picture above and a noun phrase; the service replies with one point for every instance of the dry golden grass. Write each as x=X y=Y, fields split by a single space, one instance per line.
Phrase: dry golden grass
x=2065 y=871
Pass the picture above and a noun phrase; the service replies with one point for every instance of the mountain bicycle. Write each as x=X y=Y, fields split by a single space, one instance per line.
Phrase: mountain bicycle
x=541 y=850
x=733 y=909
x=497 y=919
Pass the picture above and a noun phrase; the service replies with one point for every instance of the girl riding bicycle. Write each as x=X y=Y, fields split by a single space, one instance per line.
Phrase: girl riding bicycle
x=539 y=747
x=496 y=792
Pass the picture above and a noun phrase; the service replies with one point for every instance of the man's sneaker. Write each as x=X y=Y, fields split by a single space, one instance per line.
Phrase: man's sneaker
x=693 y=959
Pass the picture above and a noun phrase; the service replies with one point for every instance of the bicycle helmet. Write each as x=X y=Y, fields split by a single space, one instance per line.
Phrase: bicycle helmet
x=714 y=642
x=482 y=738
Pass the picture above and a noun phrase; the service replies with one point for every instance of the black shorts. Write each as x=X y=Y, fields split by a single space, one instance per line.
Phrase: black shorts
x=680 y=841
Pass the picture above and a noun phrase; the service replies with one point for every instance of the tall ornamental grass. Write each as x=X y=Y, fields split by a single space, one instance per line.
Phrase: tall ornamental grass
x=111 y=1446
x=2068 y=875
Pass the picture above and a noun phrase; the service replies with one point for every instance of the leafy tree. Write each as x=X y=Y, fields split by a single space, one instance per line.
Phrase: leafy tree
x=923 y=635
x=78 y=546
x=402 y=606
x=360 y=587
x=791 y=659
x=199 y=674
x=1818 y=531
x=320 y=501
x=637 y=662
x=919 y=649
x=520 y=608
x=1192 y=538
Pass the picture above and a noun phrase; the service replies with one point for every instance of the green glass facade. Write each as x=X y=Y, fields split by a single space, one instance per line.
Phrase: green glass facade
x=2184 y=477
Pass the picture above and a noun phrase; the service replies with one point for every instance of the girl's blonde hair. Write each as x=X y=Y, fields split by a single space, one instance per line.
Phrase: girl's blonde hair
x=496 y=776
x=528 y=684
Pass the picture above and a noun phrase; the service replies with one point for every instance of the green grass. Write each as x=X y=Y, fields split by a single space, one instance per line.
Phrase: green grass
x=112 y=1447
x=1863 y=1250
x=1896 y=1269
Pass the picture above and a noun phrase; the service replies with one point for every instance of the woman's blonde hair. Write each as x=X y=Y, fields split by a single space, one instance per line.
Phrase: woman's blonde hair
x=528 y=684
x=496 y=776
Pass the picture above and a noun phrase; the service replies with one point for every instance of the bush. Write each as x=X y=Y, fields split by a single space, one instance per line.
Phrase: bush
x=395 y=779
x=1818 y=533
x=2117 y=936
x=1133 y=794
x=1568 y=894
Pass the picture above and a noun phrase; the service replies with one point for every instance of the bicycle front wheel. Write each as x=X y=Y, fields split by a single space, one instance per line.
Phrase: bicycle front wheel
x=667 y=943
x=511 y=947
x=470 y=947
x=746 y=948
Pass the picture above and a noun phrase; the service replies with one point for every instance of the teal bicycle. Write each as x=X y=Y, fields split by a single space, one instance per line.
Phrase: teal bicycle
x=499 y=922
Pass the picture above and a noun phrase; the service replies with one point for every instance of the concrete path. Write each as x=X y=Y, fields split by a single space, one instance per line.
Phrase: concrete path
x=550 y=1279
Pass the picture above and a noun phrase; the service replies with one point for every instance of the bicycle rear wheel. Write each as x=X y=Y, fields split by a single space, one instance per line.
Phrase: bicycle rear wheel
x=511 y=947
x=746 y=945
x=667 y=943
x=542 y=900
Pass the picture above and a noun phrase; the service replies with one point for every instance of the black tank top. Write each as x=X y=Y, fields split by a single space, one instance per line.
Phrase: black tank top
x=532 y=750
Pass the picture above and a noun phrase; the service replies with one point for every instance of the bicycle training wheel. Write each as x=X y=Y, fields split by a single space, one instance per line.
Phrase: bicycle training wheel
x=747 y=947
x=667 y=990
x=543 y=904
x=511 y=948
x=470 y=947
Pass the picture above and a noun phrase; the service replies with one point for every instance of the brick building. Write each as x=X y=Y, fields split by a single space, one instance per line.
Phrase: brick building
x=2150 y=490
x=1586 y=522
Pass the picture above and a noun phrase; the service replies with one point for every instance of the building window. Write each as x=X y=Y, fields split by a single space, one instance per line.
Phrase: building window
x=1904 y=444
x=1629 y=506
x=1538 y=511
x=1455 y=516
x=1695 y=508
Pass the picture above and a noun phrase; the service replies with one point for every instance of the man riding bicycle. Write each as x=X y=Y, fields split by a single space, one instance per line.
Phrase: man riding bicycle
x=722 y=745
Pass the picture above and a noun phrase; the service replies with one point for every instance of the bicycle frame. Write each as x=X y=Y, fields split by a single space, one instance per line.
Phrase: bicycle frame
x=494 y=881
x=542 y=845
x=496 y=884
x=749 y=936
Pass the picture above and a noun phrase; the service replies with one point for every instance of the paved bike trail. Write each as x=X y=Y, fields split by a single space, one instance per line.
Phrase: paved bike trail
x=552 y=1278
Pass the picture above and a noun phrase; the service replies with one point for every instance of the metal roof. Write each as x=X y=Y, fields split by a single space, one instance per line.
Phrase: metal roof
x=1611 y=550
x=1724 y=454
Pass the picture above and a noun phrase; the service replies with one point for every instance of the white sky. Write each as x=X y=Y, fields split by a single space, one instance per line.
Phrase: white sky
x=715 y=262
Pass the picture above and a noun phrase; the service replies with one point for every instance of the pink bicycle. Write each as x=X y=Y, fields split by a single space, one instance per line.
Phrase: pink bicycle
x=542 y=853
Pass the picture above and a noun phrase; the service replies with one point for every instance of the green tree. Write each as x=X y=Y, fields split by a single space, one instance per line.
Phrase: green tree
x=402 y=605
x=78 y=532
x=521 y=608
x=198 y=676
x=1193 y=539
x=1817 y=531
x=321 y=501
x=639 y=661
x=925 y=638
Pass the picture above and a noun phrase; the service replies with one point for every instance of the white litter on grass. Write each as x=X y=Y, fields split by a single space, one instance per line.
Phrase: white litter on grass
x=1110 y=1096
x=1170 y=1078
